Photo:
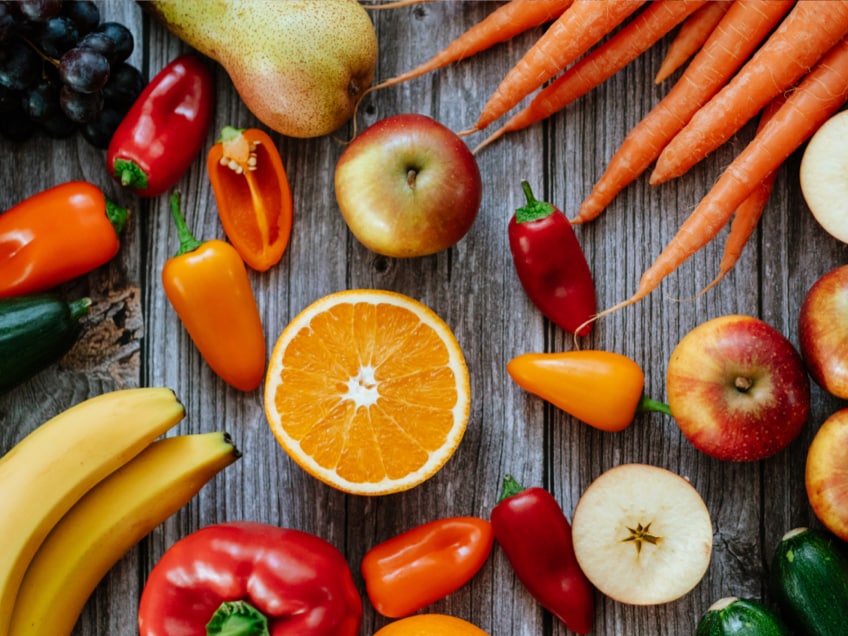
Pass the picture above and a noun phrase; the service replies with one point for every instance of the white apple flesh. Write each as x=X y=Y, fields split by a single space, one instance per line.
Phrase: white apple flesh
x=642 y=534
x=408 y=186
x=824 y=176
x=737 y=388
x=823 y=331
x=826 y=475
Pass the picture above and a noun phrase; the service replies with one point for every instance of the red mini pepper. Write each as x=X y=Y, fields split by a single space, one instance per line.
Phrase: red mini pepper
x=57 y=235
x=253 y=195
x=551 y=265
x=424 y=564
x=533 y=532
x=165 y=128
x=250 y=579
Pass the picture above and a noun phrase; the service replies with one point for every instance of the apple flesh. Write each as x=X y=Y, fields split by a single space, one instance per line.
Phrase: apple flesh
x=737 y=388
x=824 y=176
x=408 y=186
x=826 y=475
x=823 y=331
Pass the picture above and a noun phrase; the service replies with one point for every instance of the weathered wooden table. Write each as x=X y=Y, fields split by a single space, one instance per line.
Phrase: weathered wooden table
x=133 y=338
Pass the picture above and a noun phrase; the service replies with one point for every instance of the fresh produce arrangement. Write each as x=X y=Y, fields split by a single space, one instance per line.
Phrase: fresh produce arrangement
x=356 y=404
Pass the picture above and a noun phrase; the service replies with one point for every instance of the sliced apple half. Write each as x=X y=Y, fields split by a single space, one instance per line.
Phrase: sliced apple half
x=824 y=176
x=642 y=534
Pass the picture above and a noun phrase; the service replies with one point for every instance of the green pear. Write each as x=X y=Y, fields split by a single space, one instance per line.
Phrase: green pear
x=298 y=65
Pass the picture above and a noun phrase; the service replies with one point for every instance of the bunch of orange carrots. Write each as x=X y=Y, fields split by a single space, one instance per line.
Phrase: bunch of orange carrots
x=784 y=60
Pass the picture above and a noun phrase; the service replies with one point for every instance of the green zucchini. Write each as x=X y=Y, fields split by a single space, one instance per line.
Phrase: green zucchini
x=809 y=577
x=35 y=331
x=732 y=616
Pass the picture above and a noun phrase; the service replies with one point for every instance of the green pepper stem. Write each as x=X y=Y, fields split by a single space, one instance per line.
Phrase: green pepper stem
x=117 y=216
x=648 y=405
x=188 y=243
x=228 y=133
x=79 y=308
x=534 y=209
x=237 y=618
x=510 y=487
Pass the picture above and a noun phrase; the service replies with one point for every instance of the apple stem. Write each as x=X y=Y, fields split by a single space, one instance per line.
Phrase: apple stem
x=649 y=405
x=743 y=384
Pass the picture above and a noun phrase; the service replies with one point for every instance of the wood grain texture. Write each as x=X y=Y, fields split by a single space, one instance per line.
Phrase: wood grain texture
x=133 y=337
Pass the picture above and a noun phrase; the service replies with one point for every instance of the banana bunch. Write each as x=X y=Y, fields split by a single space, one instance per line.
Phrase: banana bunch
x=84 y=487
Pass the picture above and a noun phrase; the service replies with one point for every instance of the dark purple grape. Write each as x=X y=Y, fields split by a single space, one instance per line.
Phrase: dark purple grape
x=57 y=36
x=40 y=10
x=99 y=132
x=20 y=66
x=121 y=36
x=7 y=20
x=17 y=126
x=124 y=85
x=101 y=43
x=84 y=13
x=41 y=102
x=10 y=100
x=84 y=70
x=80 y=107
x=59 y=126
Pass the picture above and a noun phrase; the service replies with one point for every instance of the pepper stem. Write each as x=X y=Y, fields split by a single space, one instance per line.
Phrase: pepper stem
x=534 y=209
x=237 y=618
x=117 y=216
x=79 y=308
x=188 y=243
x=649 y=405
x=510 y=487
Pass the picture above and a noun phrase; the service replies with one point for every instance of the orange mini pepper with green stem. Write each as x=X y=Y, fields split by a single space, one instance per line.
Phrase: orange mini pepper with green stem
x=601 y=388
x=207 y=284
x=426 y=563
x=253 y=195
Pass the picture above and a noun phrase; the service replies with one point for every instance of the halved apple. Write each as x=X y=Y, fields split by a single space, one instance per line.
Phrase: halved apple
x=642 y=534
x=824 y=175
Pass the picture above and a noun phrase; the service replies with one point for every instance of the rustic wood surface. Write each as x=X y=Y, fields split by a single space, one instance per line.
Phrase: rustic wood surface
x=133 y=338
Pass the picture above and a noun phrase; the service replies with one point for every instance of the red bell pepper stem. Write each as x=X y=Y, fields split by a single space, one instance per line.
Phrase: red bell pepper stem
x=533 y=532
x=551 y=265
x=237 y=618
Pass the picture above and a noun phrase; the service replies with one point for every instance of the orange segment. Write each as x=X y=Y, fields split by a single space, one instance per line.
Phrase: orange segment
x=368 y=391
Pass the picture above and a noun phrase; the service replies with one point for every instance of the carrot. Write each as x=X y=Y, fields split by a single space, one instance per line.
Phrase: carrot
x=819 y=95
x=691 y=37
x=748 y=214
x=807 y=33
x=638 y=36
x=579 y=27
x=738 y=34
x=505 y=22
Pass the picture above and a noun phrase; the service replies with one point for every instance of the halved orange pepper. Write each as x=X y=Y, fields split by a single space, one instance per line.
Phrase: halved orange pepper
x=600 y=388
x=253 y=195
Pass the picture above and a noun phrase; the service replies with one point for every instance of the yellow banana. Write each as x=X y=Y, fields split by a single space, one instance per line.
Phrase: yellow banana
x=107 y=522
x=48 y=471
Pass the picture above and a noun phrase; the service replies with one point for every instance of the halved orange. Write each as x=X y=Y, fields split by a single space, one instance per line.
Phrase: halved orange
x=368 y=391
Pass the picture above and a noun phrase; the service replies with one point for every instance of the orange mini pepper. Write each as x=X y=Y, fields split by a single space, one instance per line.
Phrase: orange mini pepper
x=207 y=284
x=601 y=388
x=253 y=195
x=424 y=564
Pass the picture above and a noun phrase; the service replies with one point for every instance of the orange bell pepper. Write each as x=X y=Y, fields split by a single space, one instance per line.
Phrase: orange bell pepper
x=424 y=564
x=207 y=284
x=253 y=195
x=601 y=388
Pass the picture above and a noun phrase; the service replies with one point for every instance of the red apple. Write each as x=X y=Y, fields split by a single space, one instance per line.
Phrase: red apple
x=826 y=474
x=738 y=388
x=823 y=331
x=408 y=186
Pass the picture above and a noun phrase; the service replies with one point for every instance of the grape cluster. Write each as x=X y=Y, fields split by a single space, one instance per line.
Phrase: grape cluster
x=63 y=70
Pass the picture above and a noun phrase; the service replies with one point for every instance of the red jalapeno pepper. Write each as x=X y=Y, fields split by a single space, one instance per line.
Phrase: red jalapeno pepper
x=533 y=532
x=165 y=128
x=551 y=265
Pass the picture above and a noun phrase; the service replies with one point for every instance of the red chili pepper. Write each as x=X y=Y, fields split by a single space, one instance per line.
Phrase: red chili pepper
x=426 y=563
x=248 y=578
x=532 y=529
x=55 y=236
x=253 y=195
x=551 y=265
x=165 y=128
x=208 y=286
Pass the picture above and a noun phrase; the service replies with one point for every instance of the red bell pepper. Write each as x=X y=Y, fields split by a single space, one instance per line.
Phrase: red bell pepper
x=55 y=236
x=551 y=264
x=428 y=562
x=250 y=579
x=165 y=128
x=253 y=195
x=532 y=529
